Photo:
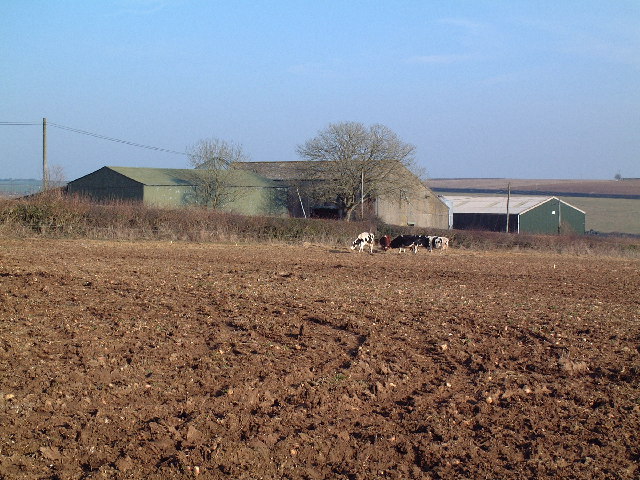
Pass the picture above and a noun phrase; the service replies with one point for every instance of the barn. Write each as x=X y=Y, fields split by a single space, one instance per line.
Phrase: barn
x=171 y=187
x=527 y=214
x=417 y=206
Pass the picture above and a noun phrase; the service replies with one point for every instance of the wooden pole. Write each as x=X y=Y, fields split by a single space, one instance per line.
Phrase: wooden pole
x=362 y=195
x=45 y=169
x=508 y=199
x=559 y=217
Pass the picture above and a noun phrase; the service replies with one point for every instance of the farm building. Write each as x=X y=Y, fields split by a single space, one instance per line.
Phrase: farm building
x=527 y=214
x=417 y=206
x=249 y=193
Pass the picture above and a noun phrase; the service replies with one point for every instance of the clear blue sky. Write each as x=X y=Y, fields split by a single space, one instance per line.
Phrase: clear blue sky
x=482 y=88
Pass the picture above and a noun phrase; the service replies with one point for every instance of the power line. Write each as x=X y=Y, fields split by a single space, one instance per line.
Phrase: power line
x=117 y=140
x=97 y=135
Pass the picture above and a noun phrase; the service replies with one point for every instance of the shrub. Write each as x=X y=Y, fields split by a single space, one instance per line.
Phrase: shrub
x=47 y=214
x=57 y=215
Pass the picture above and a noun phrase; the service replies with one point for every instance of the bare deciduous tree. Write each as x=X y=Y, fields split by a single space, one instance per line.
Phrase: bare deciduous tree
x=213 y=161
x=356 y=163
x=55 y=180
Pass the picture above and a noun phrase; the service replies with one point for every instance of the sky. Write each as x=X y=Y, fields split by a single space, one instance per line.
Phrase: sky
x=482 y=88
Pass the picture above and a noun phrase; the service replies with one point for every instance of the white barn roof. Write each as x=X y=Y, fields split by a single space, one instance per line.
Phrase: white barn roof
x=496 y=204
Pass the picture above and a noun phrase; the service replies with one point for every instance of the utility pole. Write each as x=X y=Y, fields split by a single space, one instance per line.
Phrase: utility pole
x=45 y=169
x=508 y=199
x=559 y=217
x=362 y=195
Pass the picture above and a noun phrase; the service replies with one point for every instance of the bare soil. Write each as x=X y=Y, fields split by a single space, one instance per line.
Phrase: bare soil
x=177 y=360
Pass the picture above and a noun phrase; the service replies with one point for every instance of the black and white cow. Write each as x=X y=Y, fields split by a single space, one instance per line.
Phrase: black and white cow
x=432 y=242
x=364 y=239
x=441 y=242
x=404 y=242
x=427 y=241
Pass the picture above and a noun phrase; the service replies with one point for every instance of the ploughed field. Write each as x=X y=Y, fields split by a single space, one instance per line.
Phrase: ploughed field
x=178 y=360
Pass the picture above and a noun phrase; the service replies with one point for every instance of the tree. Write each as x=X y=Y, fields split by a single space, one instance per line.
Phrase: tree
x=213 y=161
x=354 y=164
x=55 y=177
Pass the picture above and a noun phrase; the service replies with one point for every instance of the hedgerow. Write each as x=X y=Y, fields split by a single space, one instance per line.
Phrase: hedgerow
x=58 y=215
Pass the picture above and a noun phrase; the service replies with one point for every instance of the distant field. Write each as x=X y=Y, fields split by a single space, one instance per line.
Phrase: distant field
x=628 y=187
x=14 y=188
x=609 y=214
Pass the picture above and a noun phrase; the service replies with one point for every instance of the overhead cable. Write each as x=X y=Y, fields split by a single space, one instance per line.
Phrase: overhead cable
x=111 y=139
x=102 y=137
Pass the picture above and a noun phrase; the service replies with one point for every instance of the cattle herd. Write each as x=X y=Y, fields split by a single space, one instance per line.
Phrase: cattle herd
x=401 y=242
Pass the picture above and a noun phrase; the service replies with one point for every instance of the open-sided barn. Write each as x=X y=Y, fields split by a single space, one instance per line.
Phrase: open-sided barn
x=417 y=205
x=527 y=214
x=171 y=187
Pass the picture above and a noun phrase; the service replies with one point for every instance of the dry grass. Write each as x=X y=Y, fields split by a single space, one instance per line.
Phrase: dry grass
x=55 y=215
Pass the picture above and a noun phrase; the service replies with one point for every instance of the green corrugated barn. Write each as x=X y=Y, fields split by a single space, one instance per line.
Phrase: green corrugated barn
x=527 y=214
x=172 y=187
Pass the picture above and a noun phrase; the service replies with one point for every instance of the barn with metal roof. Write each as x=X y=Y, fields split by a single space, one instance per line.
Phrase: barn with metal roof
x=527 y=214
x=173 y=187
x=417 y=206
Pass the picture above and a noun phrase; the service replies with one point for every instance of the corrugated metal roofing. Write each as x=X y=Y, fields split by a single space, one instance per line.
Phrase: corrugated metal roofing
x=494 y=204
x=185 y=176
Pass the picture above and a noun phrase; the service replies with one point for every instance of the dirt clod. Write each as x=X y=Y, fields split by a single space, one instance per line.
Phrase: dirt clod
x=176 y=360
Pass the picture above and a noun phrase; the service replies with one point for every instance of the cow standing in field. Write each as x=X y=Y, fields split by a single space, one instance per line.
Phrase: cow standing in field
x=404 y=242
x=364 y=239
x=441 y=242
x=385 y=242
x=426 y=241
